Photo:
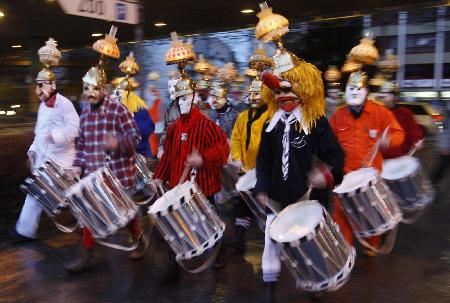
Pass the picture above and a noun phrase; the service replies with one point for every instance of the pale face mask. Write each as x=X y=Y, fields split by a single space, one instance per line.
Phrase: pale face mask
x=218 y=102
x=185 y=104
x=355 y=96
x=387 y=98
x=93 y=94
x=254 y=99
x=44 y=90
x=117 y=94
x=171 y=88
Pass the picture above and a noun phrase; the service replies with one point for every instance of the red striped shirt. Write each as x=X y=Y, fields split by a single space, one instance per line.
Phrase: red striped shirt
x=194 y=131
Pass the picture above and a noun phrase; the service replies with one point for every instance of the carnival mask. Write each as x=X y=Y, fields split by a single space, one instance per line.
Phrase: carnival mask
x=355 y=95
x=254 y=99
x=93 y=94
x=218 y=102
x=44 y=90
x=185 y=103
x=171 y=88
x=285 y=98
x=387 y=98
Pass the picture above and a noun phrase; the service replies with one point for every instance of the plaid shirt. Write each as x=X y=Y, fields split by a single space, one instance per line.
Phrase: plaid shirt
x=111 y=118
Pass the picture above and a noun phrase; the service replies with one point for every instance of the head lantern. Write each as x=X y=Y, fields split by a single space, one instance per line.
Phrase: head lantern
x=294 y=81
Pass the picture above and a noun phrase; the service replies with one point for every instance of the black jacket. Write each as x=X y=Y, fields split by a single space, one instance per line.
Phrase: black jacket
x=320 y=142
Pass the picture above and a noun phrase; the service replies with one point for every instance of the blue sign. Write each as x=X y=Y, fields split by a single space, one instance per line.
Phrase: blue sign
x=121 y=11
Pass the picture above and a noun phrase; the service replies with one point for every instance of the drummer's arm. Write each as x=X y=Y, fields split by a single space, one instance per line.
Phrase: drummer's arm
x=80 y=157
x=397 y=135
x=263 y=165
x=130 y=136
x=236 y=140
x=217 y=151
x=163 y=169
x=329 y=151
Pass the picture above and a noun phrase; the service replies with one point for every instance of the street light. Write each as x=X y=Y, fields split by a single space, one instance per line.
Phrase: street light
x=247 y=11
x=159 y=24
x=16 y=46
x=2 y=14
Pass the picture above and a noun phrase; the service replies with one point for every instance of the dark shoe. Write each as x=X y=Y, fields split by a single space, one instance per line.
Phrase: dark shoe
x=83 y=262
x=239 y=239
x=139 y=252
x=268 y=292
x=221 y=258
x=18 y=238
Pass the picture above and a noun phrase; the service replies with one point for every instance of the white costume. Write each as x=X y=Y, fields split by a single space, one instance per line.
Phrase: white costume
x=62 y=122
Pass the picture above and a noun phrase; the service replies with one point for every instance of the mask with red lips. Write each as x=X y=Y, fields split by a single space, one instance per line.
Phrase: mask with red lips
x=285 y=98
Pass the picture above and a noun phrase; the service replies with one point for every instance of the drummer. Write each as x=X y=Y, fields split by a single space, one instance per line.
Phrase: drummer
x=296 y=133
x=245 y=140
x=389 y=94
x=358 y=125
x=107 y=129
x=193 y=141
x=54 y=138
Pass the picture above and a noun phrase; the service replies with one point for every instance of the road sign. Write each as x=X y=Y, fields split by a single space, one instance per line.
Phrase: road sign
x=126 y=11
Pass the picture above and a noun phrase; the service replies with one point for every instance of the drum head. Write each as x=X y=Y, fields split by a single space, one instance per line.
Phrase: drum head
x=399 y=168
x=356 y=179
x=247 y=181
x=296 y=221
x=172 y=197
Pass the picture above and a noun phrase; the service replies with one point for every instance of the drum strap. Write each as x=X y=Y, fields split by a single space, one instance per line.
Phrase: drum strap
x=65 y=229
x=388 y=240
x=206 y=264
x=133 y=246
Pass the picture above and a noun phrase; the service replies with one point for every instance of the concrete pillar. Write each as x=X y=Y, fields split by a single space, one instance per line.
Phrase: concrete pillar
x=439 y=48
x=401 y=45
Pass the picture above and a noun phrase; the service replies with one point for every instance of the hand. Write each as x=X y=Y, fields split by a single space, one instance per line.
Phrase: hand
x=74 y=172
x=262 y=199
x=419 y=144
x=160 y=154
x=317 y=179
x=111 y=143
x=238 y=164
x=194 y=159
x=31 y=160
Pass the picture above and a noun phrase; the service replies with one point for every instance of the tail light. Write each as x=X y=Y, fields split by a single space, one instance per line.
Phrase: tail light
x=437 y=117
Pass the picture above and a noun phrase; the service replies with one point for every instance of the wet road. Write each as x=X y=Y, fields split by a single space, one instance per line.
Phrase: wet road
x=418 y=270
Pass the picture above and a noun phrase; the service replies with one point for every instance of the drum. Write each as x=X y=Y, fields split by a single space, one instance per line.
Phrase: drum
x=101 y=204
x=187 y=221
x=48 y=185
x=368 y=204
x=144 y=176
x=408 y=181
x=318 y=256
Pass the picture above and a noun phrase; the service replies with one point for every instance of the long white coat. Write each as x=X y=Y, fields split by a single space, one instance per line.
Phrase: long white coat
x=62 y=122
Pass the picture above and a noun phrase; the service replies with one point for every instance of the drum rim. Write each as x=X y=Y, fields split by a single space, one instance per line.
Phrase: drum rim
x=158 y=212
x=403 y=158
x=289 y=208
x=370 y=182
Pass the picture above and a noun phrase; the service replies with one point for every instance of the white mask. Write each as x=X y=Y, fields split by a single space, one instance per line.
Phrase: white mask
x=354 y=95
x=185 y=104
x=218 y=102
x=171 y=88
x=387 y=98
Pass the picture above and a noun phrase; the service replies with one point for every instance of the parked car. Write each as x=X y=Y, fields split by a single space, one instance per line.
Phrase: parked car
x=426 y=116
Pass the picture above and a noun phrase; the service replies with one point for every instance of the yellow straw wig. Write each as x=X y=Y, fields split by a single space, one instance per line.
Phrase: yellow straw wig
x=307 y=84
x=133 y=102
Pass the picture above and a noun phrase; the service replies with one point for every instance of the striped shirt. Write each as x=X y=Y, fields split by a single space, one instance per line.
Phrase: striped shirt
x=111 y=118
x=194 y=131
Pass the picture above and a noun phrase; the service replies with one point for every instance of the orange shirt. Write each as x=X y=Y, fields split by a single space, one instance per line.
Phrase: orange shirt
x=358 y=136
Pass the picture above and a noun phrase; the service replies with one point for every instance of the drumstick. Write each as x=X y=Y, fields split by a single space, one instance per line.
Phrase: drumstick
x=376 y=147
x=185 y=173
x=415 y=147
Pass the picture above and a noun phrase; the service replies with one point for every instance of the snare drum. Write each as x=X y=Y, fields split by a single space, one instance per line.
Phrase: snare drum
x=408 y=181
x=101 y=204
x=187 y=221
x=318 y=256
x=368 y=204
x=48 y=185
